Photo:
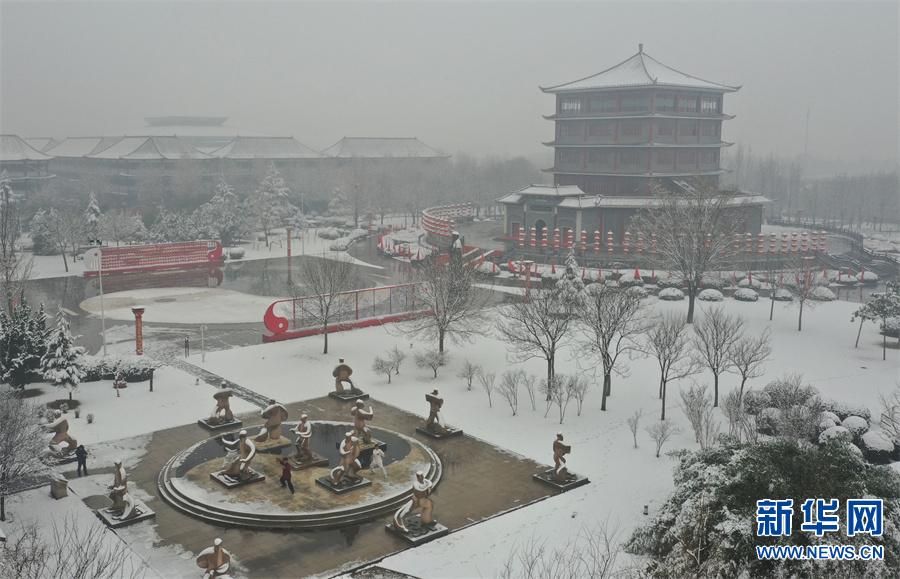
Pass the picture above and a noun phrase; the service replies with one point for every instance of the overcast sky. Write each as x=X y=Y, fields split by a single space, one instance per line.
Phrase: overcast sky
x=460 y=77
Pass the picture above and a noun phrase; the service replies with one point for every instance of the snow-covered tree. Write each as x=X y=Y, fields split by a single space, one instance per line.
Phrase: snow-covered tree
x=171 y=226
x=570 y=283
x=91 y=218
x=804 y=282
x=469 y=372
x=23 y=341
x=667 y=341
x=223 y=216
x=59 y=364
x=117 y=225
x=269 y=203
x=16 y=266
x=714 y=335
x=880 y=307
x=23 y=442
x=382 y=366
x=323 y=280
x=747 y=355
x=432 y=359
x=65 y=229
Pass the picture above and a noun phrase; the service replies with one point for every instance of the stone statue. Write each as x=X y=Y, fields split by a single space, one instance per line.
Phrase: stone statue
x=129 y=510
x=341 y=374
x=274 y=414
x=422 y=487
x=435 y=421
x=350 y=464
x=559 y=460
x=119 y=489
x=240 y=468
x=304 y=434
x=61 y=443
x=222 y=411
x=360 y=416
x=215 y=560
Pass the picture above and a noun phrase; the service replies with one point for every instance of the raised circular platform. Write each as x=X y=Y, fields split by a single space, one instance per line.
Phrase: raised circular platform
x=184 y=483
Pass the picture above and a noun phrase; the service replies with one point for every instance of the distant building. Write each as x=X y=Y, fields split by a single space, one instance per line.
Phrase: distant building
x=25 y=166
x=620 y=135
x=377 y=148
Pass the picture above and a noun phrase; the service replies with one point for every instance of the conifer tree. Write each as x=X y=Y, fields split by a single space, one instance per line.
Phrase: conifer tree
x=59 y=365
x=23 y=340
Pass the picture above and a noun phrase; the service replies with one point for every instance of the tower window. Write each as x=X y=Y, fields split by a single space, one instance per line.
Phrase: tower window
x=570 y=106
x=665 y=129
x=570 y=130
x=631 y=129
x=630 y=157
x=709 y=104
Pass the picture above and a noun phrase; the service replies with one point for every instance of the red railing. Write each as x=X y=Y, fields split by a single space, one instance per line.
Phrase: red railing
x=439 y=220
x=298 y=317
x=156 y=256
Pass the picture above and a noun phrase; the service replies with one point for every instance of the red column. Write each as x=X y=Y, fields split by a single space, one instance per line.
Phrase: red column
x=138 y=330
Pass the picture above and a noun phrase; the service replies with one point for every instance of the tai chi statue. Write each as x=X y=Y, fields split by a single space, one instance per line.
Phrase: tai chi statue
x=61 y=443
x=222 y=411
x=240 y=468
x=559 y=460
x=341 y=374
x=119 y=489
x=422 y=487
x=214 y=560
x=304 y=434
x=274 y=414
x=435 y=421
x=350 y=464
x=360 y=430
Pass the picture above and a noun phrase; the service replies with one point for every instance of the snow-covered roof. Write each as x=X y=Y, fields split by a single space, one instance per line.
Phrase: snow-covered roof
x=150 y=148
x=639 y=70
x=265 y=148
x=379 y=147
x=42 y=144
x=82 y=146
x=637 y=202
x=13 y=148
x=540 y=190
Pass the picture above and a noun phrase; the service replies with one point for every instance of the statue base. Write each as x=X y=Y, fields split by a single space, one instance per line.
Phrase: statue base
x=221 y=425
x=232 y=483
x=366 y=449
x=315 y=460
x=348 y=396
x=572 y=480
x=437 y=435
x=346 y=485
x=112 y=521
x=270 y=446
x=419 y=532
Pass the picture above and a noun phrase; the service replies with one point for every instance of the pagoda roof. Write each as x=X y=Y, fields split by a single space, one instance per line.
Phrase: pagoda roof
x=13 y=148
x=265 y=148
x=539 y=190
x=143 y=148
x=82 y=146
x=42 y=144
x=382 y=147
x=558 y=171
x=616 y=201
x=639 y=70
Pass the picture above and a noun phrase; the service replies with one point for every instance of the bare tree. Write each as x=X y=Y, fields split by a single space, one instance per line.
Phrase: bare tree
x=486 y=379
x=557 y=391
x=890 y=414
x=530 y=381
x=395 y=357
x=357 y=187
x=117 y=225
x=693 y=231
x=452 y=302
x=577 y=387
x=433 y=359
x=661 y=432
x=324 y=280
x=804 y=283
x=633 y=422
x=714 y=334
x=667 y=341
x=23 y=443
x=16 y=266
x=747 y=356
x=509 y=388
x=536 y=326
x=382 y=366
x=697 y=406
x=65 y=228
x=612 y=317
x=740 y=422
x=468 y=373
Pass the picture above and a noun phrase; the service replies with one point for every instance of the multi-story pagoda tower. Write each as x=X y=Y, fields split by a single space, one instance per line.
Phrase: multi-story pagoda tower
x=636 y=123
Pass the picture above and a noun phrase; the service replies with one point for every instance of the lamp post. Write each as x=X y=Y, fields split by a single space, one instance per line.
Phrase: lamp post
x=202 y=344
x=98 y=255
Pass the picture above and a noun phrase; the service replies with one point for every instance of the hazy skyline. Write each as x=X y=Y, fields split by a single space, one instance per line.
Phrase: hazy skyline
x=460 y=77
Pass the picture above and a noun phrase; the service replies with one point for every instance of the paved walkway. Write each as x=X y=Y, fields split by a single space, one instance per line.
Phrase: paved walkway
x=214 y=379
x=479 y=482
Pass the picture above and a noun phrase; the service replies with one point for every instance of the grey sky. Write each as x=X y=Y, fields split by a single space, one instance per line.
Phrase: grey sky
x=461 y=77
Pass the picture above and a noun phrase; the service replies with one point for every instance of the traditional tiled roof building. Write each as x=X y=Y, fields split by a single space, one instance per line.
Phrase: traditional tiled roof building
x=374 y=148
x=25 y=166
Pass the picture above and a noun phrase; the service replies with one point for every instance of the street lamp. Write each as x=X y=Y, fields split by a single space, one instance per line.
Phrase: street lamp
x=98 y=255
x=202 y=344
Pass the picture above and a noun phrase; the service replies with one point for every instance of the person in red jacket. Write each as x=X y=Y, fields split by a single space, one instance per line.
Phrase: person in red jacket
x=285 y=473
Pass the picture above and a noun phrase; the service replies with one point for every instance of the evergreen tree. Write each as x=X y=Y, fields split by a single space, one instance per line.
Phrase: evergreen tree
x=23 y=340
x=570 y=283
x=880 y=307
x=92 y=218
x=269 y=203
x=223 y=218
x=59 y=364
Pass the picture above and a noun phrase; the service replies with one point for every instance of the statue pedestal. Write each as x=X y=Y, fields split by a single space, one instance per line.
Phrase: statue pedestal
x=270 y=446
x=113 y=522
x=231 y=483
x=348 y=396
x=572 y=480
x=221 y=425
x=437 y=435
x=316 y=460
x=59 y=488
x=346 y=486
x=418 y=532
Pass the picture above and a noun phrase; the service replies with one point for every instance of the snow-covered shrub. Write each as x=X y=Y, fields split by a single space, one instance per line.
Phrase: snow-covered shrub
x=750 y=282
x=830 y=415
x=340 y=245
x=713 y=281
x=856 y=425
x=846 y=280
x=628 y=280
x=842 y=410
x=868 y=277
x=236 y=253
x=663 y=282
x=877 y=447
x=638 y=291
x=133 y=368
x=834 y=432
x=89 y=418
x=768 y=420
x=745 y=295
x=711 y=295
x=671 y=294
x=358 y=234
x=330 y=233
x=822 y=294
x=782 y=295
x=755 y=401
x=891 y=327
x=826 y=423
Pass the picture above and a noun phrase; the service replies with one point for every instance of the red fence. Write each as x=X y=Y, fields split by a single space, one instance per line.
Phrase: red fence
x=299 y=317
x=156 y=256
x=439 y=220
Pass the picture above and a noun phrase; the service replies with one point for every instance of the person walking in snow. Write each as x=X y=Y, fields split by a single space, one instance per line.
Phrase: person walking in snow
x=285 y=473
x=81 y=454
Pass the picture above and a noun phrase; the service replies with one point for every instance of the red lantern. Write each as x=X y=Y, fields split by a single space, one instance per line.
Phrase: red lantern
x=596 y=241
x=609 y=245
